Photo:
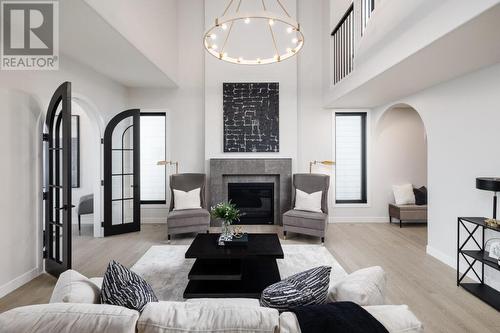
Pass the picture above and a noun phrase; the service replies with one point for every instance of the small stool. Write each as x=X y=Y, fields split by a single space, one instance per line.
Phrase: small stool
x=408 y=213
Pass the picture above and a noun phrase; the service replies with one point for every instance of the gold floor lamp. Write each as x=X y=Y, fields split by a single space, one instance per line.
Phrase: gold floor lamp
x=170 y=163
x=319 y=162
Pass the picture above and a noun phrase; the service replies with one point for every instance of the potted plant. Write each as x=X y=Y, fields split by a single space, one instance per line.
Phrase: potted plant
x=228 y=214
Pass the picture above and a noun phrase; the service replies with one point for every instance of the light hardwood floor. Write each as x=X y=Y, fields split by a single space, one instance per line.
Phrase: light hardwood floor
x=414 y=278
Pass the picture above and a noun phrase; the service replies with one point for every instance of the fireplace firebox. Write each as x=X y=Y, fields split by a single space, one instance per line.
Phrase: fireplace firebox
x=254 y=200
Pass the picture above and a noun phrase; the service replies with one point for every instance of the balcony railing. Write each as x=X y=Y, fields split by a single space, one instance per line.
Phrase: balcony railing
x=367 y=7
x=343 y=46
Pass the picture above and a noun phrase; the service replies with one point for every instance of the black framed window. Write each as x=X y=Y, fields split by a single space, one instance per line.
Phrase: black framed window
x=350 y=151
x=153 y=149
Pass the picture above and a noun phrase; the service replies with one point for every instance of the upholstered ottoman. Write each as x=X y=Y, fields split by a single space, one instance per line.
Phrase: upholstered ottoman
x=407 y=213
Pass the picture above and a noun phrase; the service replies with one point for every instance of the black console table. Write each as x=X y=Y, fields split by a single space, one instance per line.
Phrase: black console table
x=481 y=290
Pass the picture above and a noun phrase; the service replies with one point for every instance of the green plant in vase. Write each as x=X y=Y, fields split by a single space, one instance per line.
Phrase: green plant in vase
x=228 y=214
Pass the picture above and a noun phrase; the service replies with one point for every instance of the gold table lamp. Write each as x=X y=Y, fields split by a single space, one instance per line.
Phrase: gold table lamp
x=170 y=163
x=319 y=162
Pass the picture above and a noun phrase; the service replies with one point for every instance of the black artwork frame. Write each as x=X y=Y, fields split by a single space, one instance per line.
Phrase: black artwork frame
x=251 y=117
x=75 y=151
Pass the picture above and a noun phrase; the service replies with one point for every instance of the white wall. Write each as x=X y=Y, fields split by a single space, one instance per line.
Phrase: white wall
x=461 y=118
x=185 y=105
x=88 y=160
x=23 y=102
x=151 y=26
x=217 y=72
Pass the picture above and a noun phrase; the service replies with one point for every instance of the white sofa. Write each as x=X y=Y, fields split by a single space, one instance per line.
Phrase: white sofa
x=73 y=309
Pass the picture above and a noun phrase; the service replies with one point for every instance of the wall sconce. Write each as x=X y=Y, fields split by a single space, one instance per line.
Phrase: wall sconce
x=319 y=162
x=170 y=163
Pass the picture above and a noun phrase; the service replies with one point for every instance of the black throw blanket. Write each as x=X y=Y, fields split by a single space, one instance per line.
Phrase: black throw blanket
x=338 y=317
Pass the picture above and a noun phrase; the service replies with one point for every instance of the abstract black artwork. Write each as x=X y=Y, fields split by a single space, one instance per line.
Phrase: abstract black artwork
x=251 y=117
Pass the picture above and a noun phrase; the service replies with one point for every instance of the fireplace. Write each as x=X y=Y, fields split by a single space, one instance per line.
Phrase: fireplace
x=254 y=200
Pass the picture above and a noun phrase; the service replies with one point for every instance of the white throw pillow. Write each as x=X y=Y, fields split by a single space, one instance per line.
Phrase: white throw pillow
x=363 y=287
x=308 y=202
x=403 y=194
x=187 y=200
x=73 y=287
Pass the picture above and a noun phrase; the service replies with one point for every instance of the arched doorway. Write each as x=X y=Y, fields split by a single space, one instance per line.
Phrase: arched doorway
x=90 y=129
x=400 y=149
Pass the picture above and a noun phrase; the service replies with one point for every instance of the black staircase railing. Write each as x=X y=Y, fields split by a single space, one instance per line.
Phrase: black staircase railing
x=343 y=46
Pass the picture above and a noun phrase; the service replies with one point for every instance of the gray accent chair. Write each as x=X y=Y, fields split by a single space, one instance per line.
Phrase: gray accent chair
x=85 y=206
x=187 y=220
x=304 y=222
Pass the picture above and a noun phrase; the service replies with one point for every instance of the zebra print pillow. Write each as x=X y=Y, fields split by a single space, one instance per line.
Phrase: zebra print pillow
x=306 y=288
x=123 y=287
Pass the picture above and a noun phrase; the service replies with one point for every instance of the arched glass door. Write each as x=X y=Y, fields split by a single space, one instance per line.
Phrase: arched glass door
x=57 y=184
x=122 y=197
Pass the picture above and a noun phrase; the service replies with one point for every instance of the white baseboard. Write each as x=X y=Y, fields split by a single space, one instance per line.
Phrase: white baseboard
x=19 y=281
x=357 y=219
x=448 y=260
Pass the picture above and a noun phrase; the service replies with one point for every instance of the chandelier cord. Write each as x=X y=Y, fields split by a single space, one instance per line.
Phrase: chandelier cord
x=227 y=7
x=272 y=34
x=230 y=29
x=282 y=7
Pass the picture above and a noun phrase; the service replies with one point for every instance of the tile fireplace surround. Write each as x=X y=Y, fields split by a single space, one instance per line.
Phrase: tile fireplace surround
x=248 y=170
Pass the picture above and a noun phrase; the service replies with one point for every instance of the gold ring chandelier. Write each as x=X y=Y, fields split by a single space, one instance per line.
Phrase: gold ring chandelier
x=284 y=36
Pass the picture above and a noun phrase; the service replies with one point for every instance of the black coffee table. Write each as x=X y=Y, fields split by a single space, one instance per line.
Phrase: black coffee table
x=233 y=271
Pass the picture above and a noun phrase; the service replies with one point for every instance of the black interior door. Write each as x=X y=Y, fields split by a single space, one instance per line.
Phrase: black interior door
x=122 y=198
x=57 y=187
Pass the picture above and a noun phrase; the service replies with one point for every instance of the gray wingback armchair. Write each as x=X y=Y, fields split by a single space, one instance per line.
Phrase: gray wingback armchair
x=187 y=220
x=305 y=222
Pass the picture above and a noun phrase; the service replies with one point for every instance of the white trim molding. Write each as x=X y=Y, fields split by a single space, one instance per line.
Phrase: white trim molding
x=448 y=260
x=358 y=219
x=19 y=281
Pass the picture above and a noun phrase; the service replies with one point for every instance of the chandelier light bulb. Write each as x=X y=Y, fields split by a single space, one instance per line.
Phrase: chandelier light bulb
x=288 y=50
x=224 y=26
x=289 y=30
x=295 y=40
x=271 y=22
x=258 y=60
x=213 y=36
x=247 y=20
x=214 y=46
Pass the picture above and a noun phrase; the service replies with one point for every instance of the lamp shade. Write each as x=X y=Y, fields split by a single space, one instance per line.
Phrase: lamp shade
x=488 y=184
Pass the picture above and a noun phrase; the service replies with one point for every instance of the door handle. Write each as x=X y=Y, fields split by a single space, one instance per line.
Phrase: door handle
x=65 y=207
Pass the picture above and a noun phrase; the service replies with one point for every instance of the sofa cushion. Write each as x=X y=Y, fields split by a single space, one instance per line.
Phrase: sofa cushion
x=125 y=288
x=309 y=287
x=187 y=217
x=303 y=219
x=175 y=317
x=363 y=287
x=69 y=318
x=73 y=287
x=395 y=318
x=225 y=301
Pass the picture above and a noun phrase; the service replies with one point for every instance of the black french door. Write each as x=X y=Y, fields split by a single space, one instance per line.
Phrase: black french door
x=122 y=197
x=57 y=185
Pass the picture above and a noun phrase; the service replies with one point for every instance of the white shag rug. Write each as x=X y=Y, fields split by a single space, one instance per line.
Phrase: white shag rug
x=166 y=269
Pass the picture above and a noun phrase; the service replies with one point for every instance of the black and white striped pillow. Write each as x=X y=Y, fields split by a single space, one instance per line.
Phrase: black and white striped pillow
x=306 y=288
x=123 y=287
